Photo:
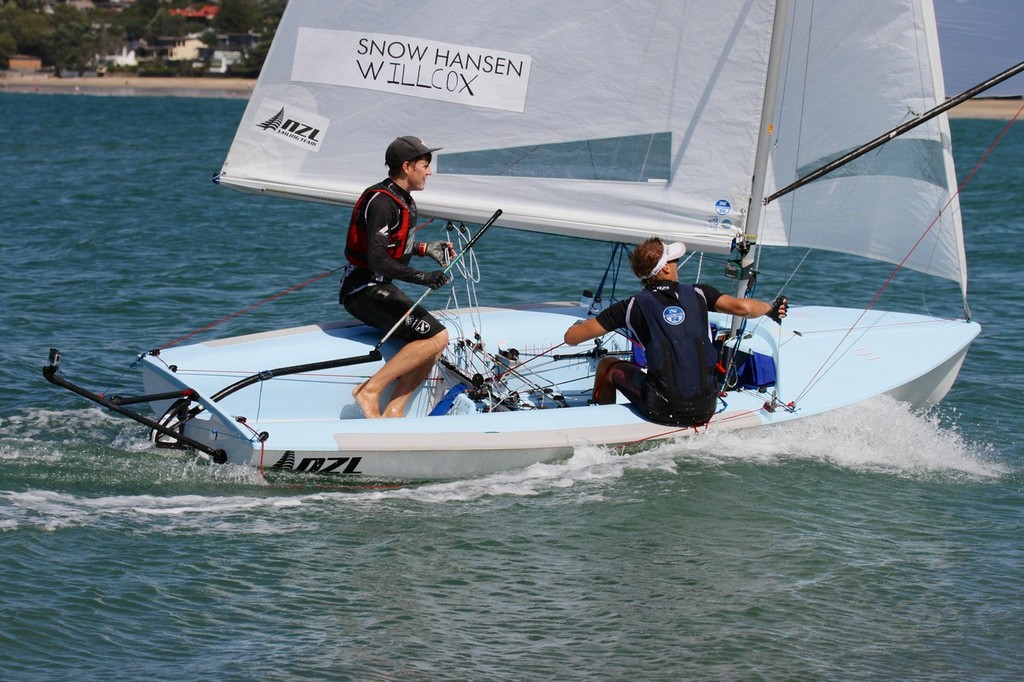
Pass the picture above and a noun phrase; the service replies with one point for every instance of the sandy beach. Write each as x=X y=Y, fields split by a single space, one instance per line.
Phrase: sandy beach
x=991 y=108
x=1002 y=108
x=129 y=85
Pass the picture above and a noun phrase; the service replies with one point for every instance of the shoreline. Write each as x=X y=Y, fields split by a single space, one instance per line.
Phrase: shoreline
x=130 y=86
x=1002 y=108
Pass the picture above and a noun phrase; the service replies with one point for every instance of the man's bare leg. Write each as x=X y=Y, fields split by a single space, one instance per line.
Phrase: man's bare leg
x=604 y=389
x=410 y=366
x=404 y=388
x=367 y=404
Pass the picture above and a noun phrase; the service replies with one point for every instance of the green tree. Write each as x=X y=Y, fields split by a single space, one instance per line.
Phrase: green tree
x=136 y=17
x=271 y=11
x=107 y=31
x=72 y=44
x=165 y=24
x=8 y=47
x=238 y=16
x=29 y=29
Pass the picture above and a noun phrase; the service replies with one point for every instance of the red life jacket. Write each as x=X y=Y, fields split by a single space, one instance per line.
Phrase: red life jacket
x=356 y=241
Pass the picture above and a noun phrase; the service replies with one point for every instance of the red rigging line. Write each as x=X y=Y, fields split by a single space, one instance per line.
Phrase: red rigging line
x=248 y=308
x=266 y=300
x=885 y=285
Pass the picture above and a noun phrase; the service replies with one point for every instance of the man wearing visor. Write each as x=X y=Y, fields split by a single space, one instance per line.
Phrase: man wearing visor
x=670 y=321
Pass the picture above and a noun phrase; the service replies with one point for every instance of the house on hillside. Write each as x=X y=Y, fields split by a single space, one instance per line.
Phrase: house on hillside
x=230 y=49
x=218 y=61
x=126 y=58
x=204 y=13
x=172 y=48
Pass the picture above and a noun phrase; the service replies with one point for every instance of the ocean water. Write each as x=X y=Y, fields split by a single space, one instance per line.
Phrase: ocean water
x=868 y=544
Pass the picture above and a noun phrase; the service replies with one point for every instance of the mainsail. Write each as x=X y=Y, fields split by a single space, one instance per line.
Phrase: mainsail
x=606 y=120
x=617 y=120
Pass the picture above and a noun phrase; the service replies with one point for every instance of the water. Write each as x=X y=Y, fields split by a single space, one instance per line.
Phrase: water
x=867 y=544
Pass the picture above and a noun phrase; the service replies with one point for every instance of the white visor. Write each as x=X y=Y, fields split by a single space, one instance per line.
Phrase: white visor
x=669 y=252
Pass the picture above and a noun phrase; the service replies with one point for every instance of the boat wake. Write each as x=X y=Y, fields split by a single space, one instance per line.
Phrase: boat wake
x=881 y=436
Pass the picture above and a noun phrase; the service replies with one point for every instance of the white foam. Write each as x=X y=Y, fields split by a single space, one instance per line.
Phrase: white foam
x=54 y=510
x=588 y=465
x=880 y=435
x=42 y=424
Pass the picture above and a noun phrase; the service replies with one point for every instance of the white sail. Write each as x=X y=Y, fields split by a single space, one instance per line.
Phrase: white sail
x=618 y=120
x=854 y=70
x=611 y=120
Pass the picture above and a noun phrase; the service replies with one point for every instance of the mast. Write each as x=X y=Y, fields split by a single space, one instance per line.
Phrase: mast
x=764 y=139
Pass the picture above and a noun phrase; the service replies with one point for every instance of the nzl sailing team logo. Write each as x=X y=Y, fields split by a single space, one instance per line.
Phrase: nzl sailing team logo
x=302 y=128
x=674 y=315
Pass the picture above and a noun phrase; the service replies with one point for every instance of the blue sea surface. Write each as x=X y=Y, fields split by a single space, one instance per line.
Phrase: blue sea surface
x=873 y=543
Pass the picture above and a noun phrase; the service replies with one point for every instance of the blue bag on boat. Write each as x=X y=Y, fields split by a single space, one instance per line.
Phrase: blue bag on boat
x=445 y=403
x=756 y=371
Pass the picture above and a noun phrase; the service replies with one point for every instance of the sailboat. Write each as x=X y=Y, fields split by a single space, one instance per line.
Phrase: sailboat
x=699 y=121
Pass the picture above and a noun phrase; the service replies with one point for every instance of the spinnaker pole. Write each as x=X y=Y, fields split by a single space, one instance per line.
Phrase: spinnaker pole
x=447 y=269
x=897 y=131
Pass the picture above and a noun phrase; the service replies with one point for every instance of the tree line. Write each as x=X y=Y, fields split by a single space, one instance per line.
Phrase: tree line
x=69 y=39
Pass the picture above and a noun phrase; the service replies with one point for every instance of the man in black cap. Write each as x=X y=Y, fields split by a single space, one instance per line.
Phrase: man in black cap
x=379 y=247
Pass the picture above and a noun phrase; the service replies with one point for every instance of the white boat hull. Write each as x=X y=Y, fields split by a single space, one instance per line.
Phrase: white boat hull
x=311 y=424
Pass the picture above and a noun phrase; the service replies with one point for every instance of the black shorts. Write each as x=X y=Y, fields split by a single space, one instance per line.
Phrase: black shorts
x=681 y=411
x=382 y=305
x=631 y=381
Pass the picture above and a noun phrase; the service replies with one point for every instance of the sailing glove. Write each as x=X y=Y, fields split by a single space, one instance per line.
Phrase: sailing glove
x=779 y=309
x=442 y=252
x=434 y=280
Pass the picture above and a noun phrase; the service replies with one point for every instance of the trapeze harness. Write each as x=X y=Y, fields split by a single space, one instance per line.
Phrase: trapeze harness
x=356 y=241
x=681 y=388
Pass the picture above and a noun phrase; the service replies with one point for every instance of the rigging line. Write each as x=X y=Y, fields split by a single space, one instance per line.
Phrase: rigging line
x=796 y=269
x=422 y=225
x=448 y=268
x=902 y=263
x=515 y=368
x=533 y=384
x=540 y=384
x=666 y=434
x=469 y=270
x=614 y=266
x=247 y=309
x=611 y=267
x=647 y=158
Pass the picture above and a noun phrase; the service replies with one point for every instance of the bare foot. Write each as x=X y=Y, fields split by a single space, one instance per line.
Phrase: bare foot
x=368 y=402
x=390 y=411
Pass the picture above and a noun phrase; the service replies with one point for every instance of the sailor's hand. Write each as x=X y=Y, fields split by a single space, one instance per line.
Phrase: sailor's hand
x=779 y=309
x=434 y=280
x=442 y=252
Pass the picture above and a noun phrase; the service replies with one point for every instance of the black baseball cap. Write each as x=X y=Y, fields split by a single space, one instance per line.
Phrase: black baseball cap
x=404 y=149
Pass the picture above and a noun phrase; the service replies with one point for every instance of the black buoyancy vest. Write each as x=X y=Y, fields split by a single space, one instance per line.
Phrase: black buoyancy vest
x=680 y=355
x=356 y=240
